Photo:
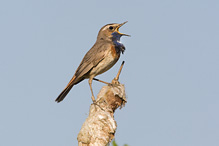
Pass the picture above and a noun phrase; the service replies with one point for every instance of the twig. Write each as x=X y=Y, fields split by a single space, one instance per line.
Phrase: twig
x=117 y=76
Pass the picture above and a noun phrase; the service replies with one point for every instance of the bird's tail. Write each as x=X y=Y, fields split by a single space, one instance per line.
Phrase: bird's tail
x=66 y=90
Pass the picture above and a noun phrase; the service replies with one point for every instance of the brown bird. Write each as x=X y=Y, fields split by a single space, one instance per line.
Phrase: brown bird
x=100 y=58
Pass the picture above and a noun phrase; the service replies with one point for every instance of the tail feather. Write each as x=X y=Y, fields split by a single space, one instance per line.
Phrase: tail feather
x=66 y=90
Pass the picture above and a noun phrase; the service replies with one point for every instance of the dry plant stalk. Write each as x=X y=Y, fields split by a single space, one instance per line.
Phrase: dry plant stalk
x=100 y=126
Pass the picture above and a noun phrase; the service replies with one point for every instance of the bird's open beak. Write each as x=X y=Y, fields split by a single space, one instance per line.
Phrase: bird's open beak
x=117 y=29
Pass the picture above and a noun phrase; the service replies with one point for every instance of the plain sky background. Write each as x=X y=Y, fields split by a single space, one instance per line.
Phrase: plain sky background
x=171 y=72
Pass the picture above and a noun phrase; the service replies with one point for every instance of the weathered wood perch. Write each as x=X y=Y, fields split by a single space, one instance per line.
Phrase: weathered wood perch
x=100 y=126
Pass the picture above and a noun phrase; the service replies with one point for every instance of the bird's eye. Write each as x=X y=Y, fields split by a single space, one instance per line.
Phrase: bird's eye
x=111 y=28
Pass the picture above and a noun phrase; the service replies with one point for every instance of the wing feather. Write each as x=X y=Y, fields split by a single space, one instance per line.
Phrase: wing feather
x=92 y=58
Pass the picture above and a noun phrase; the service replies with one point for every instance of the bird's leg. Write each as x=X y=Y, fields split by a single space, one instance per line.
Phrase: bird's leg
x=90 y=84
x=101 y=81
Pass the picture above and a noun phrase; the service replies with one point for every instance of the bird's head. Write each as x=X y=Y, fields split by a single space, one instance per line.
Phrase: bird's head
x=111 y=31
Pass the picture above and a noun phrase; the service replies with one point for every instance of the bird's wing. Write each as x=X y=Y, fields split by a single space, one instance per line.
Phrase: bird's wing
x=92 y=58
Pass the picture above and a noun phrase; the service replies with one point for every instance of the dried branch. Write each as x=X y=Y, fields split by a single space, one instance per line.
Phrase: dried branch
x=100 y=126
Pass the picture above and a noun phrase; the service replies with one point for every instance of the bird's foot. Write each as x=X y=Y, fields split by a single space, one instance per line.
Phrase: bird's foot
x=101 y=81
x=93 y=99
x=97 y=105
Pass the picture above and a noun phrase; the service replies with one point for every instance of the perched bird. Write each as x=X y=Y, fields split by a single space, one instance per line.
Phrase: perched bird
x=100 y=58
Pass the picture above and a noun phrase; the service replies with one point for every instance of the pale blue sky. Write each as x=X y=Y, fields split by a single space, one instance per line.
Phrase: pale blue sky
x=171 y=72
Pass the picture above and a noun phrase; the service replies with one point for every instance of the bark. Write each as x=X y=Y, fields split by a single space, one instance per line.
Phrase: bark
x=100 y=126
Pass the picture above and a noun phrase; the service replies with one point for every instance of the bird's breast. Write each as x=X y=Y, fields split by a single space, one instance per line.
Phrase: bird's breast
x=111 y=57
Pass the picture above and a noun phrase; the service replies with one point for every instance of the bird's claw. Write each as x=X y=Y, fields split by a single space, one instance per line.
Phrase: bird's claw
x=93 y=99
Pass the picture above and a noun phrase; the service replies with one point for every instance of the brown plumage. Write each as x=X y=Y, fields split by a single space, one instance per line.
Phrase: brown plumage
x=100 y=58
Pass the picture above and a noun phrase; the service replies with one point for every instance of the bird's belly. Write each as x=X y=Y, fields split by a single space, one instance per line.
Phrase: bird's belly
x=110 y=59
